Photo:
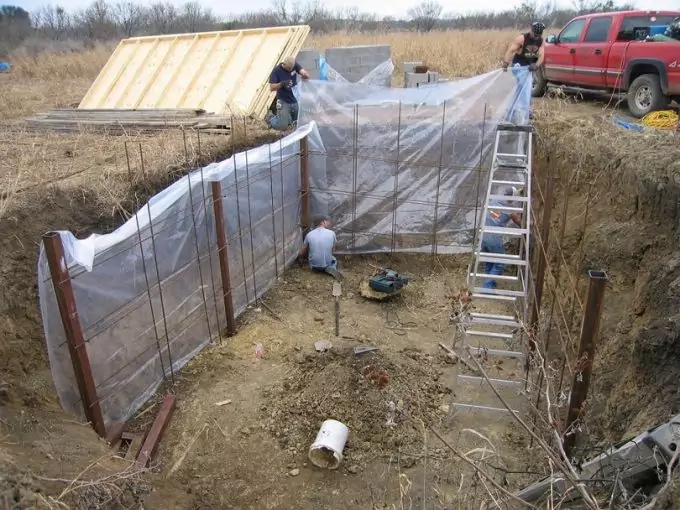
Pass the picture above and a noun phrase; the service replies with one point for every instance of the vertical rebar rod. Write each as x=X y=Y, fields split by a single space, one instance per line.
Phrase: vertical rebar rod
x=395 y=191
x=250 y=219
x=304 y=185
x=238 y=215
x=75 y=340
x=586 y=355
x=478 y=200
x=198 y=256
x=158 y=274
x=283 y=208
x=544 y=243
x=146 y=276
x=355 y=167
x=210 y=260
x=223 y=255
x=439 y=182
x=271 y=191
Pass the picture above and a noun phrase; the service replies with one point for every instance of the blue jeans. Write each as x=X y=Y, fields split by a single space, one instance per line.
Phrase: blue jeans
x=332 y=265
x=492 y=243
x=521 y=103
x=286 y=115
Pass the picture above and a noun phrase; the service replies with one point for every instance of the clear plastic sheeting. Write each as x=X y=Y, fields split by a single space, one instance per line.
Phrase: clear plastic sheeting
x=396 y=169
x=149 y=294
x=405 y=169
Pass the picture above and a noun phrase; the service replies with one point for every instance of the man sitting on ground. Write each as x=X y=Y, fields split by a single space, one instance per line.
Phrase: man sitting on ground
x=282 y=80
x=319 y=246
x=493 y=243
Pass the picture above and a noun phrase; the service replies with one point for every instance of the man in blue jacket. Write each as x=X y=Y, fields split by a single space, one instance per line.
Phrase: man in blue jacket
x=282 y=80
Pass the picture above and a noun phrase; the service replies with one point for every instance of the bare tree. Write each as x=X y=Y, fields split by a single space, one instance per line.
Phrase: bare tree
x=52 y=21
x=128 y=17
x=162 y=18
x=425 y=15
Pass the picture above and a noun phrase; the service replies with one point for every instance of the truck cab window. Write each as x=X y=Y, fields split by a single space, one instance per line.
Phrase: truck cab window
x=636 y=28
x=572 y=32
x=598 y=30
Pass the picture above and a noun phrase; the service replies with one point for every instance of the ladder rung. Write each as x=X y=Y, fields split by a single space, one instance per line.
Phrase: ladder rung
x=522 y=128
x=507 y=278
x=509 y=183
x=496 y=352
x=505 y=208
x=472 y=407
x=509 y=256
x=494 y=322
x=495 y=297
x=501 y=260
x=506 y=231
x=481 y=380
x=508 y=198
x=492 y=316
x=499 y=292
x=491 y=334
x=516 y=166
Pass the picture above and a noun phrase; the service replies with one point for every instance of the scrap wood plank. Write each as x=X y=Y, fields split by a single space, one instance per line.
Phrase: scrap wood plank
x=156 y=432
x=134 y=448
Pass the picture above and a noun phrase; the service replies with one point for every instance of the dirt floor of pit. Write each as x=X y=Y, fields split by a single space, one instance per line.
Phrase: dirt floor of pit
x=252 y=452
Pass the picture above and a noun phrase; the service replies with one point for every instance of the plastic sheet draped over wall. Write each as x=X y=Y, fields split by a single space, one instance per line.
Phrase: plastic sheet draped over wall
x=398 y=170
x=405 y=169
x=137 y=335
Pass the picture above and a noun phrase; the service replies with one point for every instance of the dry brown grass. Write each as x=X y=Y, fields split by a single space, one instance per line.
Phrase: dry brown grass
x=48 y=80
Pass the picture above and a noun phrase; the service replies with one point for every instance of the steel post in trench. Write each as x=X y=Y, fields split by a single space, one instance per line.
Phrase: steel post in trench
x=63 y=291
x=223 y=257
x=586 y=354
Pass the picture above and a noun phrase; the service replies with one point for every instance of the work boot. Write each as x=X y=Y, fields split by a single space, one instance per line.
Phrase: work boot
x=335 y=273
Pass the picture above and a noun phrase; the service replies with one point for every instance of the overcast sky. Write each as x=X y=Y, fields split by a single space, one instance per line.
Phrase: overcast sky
x=396 y=8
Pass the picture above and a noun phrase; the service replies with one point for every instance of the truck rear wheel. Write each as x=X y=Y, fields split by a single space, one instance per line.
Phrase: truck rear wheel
x=645 y=95
x=538 y=83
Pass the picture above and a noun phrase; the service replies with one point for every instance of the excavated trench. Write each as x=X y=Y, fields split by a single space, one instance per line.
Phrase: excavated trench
x=625 y=189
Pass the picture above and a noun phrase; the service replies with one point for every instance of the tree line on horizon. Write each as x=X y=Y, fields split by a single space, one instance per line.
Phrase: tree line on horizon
x=54 y=27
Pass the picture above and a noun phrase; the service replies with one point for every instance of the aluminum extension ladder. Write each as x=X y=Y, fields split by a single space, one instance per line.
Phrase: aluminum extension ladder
x=496 y=335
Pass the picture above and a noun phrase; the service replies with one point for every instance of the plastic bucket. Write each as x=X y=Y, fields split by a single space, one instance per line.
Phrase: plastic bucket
x=326 y=450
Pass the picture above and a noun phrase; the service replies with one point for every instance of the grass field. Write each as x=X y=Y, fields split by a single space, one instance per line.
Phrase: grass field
x=81 y=182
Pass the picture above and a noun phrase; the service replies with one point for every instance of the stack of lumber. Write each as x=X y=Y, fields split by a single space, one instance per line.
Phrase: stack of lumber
x=126 y=121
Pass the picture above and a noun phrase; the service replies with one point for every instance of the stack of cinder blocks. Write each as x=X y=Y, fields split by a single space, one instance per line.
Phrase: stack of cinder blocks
x=351 y=62
x=416 y=74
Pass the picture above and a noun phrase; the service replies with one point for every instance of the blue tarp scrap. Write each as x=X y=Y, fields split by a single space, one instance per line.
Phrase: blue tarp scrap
x=4 y=67
x=632 y=126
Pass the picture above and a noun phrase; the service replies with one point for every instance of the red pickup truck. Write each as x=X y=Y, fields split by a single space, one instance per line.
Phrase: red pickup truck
x=614 y=53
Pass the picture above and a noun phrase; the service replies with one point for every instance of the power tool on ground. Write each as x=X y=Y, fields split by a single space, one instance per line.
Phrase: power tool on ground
x=387 y=281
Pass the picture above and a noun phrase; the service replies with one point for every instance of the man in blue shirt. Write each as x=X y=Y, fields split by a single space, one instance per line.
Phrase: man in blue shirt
x=493 y=243
x=319 y=247
x=282 y=80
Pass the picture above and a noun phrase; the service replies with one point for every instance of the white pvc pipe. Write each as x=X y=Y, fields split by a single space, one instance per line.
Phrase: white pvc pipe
x=326 y=450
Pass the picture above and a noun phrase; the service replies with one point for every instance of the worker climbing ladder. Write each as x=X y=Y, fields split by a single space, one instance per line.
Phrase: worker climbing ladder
x=500 y=280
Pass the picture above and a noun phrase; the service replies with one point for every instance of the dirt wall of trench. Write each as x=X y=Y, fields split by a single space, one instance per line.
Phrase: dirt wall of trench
x=625 y=187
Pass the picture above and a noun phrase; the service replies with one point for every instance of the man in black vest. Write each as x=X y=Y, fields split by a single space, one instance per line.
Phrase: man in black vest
x=526 y=51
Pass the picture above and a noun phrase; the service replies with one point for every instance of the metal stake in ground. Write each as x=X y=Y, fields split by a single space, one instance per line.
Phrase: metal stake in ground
x=586 y=353
x=337 y=292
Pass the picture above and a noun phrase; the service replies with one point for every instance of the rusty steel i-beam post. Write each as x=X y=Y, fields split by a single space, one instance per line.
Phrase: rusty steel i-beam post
x=586 y=353
x=304 y=184
x=223 y=257
x=63 y=291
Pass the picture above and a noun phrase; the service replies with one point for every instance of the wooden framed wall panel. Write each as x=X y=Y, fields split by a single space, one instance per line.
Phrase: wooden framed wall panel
x=221 y=72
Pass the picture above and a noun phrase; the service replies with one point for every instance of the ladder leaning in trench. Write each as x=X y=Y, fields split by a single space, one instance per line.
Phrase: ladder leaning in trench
x=495 y=335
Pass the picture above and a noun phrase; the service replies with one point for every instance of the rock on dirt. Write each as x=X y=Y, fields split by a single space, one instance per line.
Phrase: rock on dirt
x=294 y=472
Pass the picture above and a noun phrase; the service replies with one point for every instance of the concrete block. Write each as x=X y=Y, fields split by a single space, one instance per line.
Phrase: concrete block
x=409 y=67
x=355 y=62
x=309 y=59
x=415 y=80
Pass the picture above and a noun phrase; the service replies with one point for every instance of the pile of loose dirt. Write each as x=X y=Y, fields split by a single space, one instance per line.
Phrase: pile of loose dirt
x=381 y=397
